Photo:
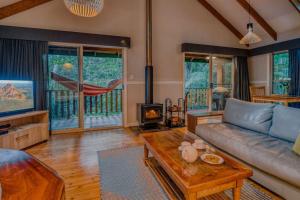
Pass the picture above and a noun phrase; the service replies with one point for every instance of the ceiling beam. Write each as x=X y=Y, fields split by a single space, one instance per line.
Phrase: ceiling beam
x=258 y=18
x=224 y=21
x=296 y=4
x=19 y=6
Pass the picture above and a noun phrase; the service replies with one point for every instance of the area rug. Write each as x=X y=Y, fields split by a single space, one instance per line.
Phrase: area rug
x=124 y=176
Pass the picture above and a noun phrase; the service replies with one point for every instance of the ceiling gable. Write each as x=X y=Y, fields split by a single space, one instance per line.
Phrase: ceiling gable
x=280 y=14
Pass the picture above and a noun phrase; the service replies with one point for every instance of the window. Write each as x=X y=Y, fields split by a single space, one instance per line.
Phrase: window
x=280 y=73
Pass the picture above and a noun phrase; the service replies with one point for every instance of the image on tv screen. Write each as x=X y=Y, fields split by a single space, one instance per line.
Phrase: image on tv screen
x=16 y=95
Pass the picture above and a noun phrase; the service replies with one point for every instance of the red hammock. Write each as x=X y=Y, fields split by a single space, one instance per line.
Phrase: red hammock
x=88 y=89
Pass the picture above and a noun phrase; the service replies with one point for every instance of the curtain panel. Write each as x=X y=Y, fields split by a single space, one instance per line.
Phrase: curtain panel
x=241 y=79
x=294 y=66
x=25 y=60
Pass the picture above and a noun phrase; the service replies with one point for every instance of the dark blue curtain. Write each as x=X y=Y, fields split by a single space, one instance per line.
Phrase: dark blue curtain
x=294 y=66
x=241 y=79
x=25 y=60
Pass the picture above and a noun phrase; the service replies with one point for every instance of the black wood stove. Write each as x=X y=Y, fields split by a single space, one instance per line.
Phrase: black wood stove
x=149 y=114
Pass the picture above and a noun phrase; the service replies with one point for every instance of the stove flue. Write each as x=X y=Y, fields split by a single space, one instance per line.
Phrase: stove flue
x=149 y=114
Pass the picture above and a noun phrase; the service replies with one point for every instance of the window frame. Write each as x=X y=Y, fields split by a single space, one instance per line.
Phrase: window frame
x=210 y=62
x=272 y=69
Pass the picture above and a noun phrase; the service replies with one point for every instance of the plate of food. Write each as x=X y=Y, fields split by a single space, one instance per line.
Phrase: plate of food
x=212 y=159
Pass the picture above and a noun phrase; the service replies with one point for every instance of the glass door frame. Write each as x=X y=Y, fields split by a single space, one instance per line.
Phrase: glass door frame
x=80 y=50
x=210 y=77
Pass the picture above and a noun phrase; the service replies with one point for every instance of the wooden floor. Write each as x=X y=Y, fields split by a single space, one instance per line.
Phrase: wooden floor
x=74 y=157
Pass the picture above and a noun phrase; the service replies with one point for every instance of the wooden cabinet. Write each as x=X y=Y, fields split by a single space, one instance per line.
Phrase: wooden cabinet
x=194 y=119
x=26 y=130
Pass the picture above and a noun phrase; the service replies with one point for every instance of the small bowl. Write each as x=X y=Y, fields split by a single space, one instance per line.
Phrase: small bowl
x=199 y=146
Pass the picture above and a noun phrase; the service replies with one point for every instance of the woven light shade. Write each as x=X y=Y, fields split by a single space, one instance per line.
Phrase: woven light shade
x=250 y=37
x=85 y=8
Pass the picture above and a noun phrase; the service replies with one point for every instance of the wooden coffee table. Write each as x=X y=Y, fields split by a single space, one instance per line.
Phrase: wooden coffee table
x=190 y=181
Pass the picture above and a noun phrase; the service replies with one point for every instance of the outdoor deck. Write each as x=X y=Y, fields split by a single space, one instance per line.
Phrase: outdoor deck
x=99 y=111
x=89 y=122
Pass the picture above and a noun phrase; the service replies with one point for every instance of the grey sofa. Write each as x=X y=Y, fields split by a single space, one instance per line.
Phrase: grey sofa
x=261 y=136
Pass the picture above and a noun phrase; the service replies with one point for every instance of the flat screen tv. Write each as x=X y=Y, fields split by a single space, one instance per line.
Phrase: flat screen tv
x=16 y=97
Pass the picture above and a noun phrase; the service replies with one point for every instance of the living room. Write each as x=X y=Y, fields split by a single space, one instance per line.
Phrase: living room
x=136 y=99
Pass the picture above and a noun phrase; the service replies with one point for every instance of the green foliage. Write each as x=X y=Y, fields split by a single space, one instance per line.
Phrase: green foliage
x=101 y=70
x=281 y=73
x=196 y=75
x=96 y=70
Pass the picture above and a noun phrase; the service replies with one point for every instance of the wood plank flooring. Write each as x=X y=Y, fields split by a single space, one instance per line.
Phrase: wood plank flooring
x=74 y=157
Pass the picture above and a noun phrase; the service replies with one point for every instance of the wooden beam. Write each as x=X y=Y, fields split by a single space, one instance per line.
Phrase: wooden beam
x=258 y=18
x=280 y=46
x=203 y=48
x=19 y=6
x=296 y=4
x=224 y=21
x=22 y=33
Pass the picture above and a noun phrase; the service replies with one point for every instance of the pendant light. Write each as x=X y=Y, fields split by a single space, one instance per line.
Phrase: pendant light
x=250 y=37
x=85 y=8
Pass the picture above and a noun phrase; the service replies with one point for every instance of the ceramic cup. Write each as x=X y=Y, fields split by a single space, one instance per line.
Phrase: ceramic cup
x=183 y=145
x=199 y=146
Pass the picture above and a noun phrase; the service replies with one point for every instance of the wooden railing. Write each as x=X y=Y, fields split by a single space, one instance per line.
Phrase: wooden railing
x=63 y=104
x=197 y=98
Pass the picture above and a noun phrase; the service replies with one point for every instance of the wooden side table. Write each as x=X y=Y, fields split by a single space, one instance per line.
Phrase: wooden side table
x=193 y=119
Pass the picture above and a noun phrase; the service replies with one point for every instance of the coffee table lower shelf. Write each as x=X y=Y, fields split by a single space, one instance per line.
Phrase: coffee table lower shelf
x=164 y=180
x=170 y=188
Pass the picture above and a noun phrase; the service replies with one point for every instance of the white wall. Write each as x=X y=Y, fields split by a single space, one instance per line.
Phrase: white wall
x=259 y=70
x=174 y=22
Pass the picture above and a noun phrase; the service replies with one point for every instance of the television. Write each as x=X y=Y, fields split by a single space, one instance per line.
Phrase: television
x=16 y=96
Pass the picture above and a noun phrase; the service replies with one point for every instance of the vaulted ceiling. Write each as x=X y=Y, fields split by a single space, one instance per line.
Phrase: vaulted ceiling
x=279 y=16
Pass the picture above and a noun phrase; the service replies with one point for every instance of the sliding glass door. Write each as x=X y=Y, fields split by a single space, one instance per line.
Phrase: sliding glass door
x=85 y=88
x=102 y=78
x=208 y=81
x=222 y=77
x=197 y=82
x=63 y=87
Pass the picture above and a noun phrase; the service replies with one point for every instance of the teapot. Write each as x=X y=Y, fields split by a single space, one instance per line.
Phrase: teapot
x=189 y=154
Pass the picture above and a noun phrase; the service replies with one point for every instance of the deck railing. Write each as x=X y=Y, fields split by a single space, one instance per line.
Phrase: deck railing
x=197 y=98
x=63 y=104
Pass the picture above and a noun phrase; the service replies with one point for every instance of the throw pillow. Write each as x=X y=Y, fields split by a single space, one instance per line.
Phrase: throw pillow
x=296 y=147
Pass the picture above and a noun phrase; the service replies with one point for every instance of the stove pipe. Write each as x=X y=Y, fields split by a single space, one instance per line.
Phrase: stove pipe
x=149 y=67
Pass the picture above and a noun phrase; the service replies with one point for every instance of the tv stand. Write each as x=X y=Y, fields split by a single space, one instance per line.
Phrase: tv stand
x=26 y=129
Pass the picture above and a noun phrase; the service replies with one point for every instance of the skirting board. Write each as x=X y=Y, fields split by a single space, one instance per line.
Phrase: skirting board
x=132 y=124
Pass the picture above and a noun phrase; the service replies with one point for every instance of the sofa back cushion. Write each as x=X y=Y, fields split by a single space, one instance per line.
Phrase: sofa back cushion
x=286 y=123
x=253 y=116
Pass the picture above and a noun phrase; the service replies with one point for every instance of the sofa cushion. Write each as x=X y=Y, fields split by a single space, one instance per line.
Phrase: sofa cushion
x=286 y=123
x=252 y=116
x=269 y=154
